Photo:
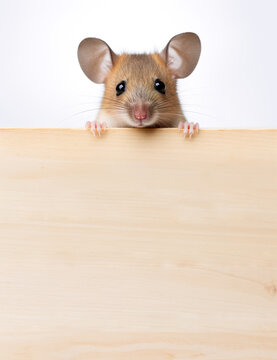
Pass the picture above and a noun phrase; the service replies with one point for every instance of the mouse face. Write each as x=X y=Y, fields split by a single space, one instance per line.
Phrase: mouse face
x=140 y=89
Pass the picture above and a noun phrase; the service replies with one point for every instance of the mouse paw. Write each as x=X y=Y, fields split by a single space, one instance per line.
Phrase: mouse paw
x=96 y=127
x=188 y=128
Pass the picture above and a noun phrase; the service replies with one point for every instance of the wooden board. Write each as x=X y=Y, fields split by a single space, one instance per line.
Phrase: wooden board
x=138 y=245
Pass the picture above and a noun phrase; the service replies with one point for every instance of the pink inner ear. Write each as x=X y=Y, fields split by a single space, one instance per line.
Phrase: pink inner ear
x=105 y=65
x=174 y=61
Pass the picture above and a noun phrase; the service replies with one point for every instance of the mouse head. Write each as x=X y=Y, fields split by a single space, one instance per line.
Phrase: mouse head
x=141 y=89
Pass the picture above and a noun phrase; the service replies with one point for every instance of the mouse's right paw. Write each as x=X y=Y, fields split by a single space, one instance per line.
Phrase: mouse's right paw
x=96 y=126
x=188 y=128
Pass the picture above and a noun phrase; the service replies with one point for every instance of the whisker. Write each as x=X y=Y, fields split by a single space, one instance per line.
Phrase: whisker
x=98 y=109
x=188 y=111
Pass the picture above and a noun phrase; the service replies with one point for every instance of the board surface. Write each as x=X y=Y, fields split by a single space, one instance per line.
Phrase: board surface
x=138 y=245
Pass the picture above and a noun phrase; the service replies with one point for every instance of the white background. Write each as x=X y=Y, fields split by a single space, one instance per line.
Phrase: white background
x=42 y=85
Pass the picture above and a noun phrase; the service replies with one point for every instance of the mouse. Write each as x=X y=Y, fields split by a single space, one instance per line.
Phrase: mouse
x=140 y=89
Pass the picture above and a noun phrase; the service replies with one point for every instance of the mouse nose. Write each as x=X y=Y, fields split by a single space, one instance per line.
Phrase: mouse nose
x=140 y=111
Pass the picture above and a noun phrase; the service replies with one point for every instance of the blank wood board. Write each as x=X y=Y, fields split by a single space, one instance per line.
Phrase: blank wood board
x=138 y=244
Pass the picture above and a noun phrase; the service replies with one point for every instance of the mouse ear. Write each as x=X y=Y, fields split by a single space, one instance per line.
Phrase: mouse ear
x=181 y=54
x=96 y=59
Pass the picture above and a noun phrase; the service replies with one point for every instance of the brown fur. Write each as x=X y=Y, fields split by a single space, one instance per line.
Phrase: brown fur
x=139 y=72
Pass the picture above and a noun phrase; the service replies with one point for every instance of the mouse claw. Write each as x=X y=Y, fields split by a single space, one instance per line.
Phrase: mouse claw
x=93 y=127
x=184 y=127
x=191 y=129
x=188 y=128
x=96 y=127
x=88 y=125
x=181 y=125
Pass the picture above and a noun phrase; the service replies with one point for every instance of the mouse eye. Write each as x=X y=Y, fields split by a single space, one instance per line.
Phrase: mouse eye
x=120 y=88
x=159 y=86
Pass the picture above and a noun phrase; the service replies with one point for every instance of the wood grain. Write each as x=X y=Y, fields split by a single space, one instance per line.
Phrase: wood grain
x=138 y=245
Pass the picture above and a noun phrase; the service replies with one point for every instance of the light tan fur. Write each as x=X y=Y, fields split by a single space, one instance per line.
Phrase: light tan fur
x=139 y=72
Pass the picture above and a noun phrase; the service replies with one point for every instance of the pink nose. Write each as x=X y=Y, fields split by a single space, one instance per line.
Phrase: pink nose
x=140 y=111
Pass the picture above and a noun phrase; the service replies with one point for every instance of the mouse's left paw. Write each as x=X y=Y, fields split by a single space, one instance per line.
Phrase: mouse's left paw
x=96 y=126
x=188 y=128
